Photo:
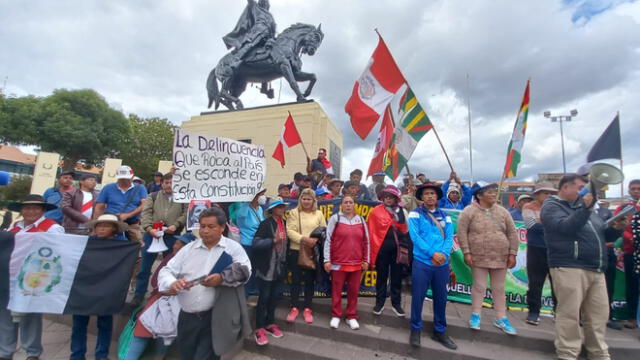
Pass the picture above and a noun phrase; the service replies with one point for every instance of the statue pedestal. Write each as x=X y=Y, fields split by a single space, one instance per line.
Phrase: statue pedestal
x=263 y=126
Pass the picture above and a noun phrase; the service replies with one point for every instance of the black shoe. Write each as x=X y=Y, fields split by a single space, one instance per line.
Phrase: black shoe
x=533 y=319
x=378 y=309
x=137 y=301
x=398 y=310
x=445 y=340
x=612 y=324
x=414 y=338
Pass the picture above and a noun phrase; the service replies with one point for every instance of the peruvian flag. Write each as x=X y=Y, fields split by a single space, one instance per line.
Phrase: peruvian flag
x=290 y=137
x=374 y=90
x=383 y=143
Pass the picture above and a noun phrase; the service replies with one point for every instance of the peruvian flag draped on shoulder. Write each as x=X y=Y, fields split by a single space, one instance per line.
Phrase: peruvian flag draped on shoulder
x=289 y=138
x=374 y=90
x=514 y=153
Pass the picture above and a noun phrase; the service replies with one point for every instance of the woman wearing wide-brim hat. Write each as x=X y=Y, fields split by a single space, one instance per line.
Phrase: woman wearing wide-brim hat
x=32 y=208
x=118 y=226
x=489 y=242
x=270 y=244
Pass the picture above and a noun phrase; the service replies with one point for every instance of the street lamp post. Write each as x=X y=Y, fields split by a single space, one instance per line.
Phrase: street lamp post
x=562 y=118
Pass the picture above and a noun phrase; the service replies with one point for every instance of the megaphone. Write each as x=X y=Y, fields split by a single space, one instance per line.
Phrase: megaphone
x=600 y=175
x=157 y=244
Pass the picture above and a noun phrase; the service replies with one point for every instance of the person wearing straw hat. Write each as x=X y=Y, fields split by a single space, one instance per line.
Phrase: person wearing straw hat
x=537 y=266
x=270 y=244
x=32 y=208
x=105 y=227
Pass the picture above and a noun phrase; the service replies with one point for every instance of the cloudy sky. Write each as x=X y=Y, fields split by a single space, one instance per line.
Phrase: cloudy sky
x=151 y=57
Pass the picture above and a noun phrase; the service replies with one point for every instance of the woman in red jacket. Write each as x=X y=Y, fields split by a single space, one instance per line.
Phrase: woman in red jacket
x=346 y=254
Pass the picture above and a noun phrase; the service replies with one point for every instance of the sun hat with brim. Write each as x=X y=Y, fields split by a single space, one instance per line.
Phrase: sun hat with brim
x=545 y=186
x=423 y=187
x=524 y=197
x=481 y=186
x=330 y=184
x=108 y=218
x=276 y=203
x=186 y=238
x=31 y=199
x=391 y=190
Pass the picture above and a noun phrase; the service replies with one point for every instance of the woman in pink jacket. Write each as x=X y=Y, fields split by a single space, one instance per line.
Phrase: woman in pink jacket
x=346 y=255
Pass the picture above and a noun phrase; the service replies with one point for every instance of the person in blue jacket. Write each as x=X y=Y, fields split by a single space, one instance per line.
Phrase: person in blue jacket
x=53 y=195
x=458 y=195
x=431 y=231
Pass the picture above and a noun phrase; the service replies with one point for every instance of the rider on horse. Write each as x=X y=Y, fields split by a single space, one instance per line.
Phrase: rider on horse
x=255 y=27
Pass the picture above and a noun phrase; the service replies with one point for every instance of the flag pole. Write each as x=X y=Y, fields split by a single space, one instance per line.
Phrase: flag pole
x=621 y=162
x=433 y=126
x=301 y=142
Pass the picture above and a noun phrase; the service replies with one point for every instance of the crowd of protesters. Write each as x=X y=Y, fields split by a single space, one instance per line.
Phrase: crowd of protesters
x=409 y=231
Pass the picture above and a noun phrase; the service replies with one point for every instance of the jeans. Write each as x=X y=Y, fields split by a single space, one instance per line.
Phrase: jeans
x=30 y=328
x=537 y=271
x=250 y=288
x=142 y=279
x=424 y=276
x=79 y=336
x=267 y=300
x=139 y=344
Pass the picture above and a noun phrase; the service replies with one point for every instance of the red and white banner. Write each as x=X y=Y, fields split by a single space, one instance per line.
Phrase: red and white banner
x=374 y=90
x=290 y=137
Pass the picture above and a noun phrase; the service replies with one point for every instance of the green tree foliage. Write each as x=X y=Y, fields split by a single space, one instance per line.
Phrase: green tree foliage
x=77 y=124
x=19 y=187
x=151 y=140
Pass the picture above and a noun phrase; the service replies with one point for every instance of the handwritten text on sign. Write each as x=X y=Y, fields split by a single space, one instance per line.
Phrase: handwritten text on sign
x=215 y=168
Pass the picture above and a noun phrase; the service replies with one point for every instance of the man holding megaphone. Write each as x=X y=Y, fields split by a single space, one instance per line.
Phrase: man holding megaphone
x=577 y=256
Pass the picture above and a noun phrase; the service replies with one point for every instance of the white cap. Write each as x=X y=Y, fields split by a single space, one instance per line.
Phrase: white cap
x=124 y=172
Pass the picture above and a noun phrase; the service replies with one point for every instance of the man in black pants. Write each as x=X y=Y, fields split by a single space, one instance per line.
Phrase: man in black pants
x=387 y=225
x=537 y=266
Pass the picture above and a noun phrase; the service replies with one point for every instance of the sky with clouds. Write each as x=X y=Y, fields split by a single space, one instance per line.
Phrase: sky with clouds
x=152 y=57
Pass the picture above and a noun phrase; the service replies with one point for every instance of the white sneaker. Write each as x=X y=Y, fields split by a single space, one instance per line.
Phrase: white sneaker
x=353 y=324
x=334 y=323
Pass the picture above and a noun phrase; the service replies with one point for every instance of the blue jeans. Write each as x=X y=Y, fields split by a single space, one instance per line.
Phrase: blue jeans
x=142 y=279
x=250 y=288
x=79 y=336
x=139 y=344
x=423 y=276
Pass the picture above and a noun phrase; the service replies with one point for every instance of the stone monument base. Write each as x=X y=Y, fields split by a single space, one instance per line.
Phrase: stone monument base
x=263 y=126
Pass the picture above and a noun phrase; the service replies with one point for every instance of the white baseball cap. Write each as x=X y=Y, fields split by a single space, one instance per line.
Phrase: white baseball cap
x=124 y=172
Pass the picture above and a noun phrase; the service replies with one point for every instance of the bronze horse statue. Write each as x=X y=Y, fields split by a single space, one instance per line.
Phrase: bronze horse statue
x=277 y=58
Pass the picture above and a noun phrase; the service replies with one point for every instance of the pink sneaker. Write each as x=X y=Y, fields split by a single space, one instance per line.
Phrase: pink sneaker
x=261 y=337
x=308 y=317
x=293 y=314
x=274 y=331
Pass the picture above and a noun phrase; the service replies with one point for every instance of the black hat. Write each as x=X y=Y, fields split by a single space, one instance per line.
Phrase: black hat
x=85 y=176
x=422 y=187
x=31 y=199
x=157 y=173
x=282 y=186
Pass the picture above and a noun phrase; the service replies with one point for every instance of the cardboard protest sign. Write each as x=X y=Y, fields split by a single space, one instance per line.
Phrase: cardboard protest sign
x=216 y=168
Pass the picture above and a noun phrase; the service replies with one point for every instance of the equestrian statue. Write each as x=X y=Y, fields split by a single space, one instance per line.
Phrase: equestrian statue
x=259 y=56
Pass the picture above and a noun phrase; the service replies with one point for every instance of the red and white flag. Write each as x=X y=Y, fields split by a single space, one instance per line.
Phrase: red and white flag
x=290 y=137
x=383 y=143
x=374 y=90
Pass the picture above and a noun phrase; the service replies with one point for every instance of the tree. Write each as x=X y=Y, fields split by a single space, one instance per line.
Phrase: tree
x=19 y=187
x=151 y=140
x=77 y=124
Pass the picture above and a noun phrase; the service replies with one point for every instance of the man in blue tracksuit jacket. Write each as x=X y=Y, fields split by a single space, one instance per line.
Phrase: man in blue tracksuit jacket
x=431 y=231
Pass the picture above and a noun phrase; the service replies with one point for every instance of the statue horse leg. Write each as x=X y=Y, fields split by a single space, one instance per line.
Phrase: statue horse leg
x=304 y=76
x=287 y=73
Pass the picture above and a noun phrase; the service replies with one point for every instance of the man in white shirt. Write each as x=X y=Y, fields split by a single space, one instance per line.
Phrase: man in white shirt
x=32 y=209
x=190 y=274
